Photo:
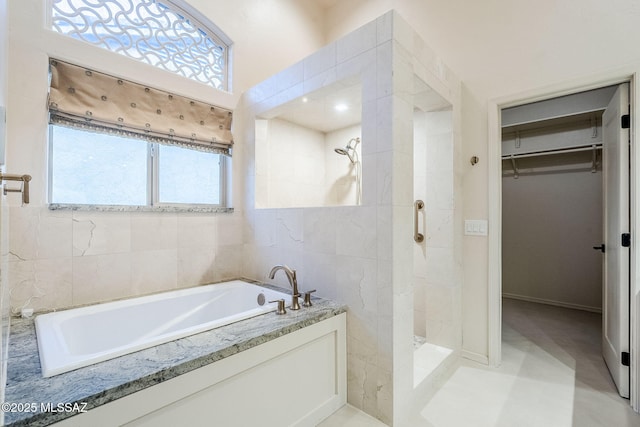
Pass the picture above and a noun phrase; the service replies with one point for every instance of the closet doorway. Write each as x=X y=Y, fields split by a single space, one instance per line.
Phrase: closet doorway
x=565 y=211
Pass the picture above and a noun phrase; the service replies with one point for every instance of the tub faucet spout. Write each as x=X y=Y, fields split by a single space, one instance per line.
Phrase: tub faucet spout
x=293 y=282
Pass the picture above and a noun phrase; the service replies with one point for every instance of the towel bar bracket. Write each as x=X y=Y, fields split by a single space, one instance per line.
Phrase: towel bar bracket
x=24 y=188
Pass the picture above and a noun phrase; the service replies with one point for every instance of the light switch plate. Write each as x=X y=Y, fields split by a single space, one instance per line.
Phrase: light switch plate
x=475 y=227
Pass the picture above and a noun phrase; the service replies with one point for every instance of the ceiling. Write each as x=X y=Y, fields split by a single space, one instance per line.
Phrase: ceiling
x=318 y=111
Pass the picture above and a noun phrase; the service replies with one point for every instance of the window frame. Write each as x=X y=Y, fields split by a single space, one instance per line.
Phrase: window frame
x=152 y=190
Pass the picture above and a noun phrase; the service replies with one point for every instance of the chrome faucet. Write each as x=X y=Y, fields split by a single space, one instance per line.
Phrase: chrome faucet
x=293 y=282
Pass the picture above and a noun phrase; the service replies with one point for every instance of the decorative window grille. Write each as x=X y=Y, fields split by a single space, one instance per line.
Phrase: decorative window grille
x=156 y=32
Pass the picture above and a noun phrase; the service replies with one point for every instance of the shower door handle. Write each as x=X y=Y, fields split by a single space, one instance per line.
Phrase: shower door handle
x=417 y=206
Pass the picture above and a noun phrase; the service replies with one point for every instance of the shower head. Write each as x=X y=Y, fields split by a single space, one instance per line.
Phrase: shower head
x=349 y=150
x=345 y=152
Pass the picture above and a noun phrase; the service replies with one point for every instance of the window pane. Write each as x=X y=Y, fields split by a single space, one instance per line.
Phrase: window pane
x=188 y=176
x=97 y=169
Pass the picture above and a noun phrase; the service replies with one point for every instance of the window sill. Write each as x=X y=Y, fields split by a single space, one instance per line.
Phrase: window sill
x=121 y=208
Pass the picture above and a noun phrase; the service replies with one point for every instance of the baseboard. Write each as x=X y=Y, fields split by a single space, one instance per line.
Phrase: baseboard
x=476 y=357
x=551 y=302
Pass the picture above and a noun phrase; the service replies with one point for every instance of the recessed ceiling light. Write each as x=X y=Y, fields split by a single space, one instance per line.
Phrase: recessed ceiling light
x=305 y=99
x=341 y=107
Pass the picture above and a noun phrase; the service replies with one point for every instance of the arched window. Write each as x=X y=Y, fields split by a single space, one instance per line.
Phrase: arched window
x=158 y=32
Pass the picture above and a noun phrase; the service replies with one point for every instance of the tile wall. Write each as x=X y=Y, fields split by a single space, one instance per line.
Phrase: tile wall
x=290 y=164
x=61 y=258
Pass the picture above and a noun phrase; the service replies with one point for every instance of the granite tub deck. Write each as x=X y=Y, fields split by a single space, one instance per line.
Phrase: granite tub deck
x=107 y=381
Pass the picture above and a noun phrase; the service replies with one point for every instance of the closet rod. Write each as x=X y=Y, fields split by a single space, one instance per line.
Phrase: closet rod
x=547 y=153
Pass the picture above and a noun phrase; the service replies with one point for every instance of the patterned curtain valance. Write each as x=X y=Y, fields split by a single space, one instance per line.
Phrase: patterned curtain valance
x=92 y=99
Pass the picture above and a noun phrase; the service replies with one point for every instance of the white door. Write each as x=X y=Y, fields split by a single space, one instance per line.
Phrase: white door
x=615 y=302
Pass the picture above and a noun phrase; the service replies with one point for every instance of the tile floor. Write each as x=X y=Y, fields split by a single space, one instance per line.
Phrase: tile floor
x=552 y=375
x=348 y=416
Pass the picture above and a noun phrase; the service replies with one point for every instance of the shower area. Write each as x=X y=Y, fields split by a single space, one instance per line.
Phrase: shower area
x=308 y=151
x=437 y=297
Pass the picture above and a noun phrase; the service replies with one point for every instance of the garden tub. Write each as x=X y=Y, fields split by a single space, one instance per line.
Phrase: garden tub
x=79 y=337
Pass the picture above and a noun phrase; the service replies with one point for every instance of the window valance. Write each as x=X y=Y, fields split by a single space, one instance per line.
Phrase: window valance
x=88 y=99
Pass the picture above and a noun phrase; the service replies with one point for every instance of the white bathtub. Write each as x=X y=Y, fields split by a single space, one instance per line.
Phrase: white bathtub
x=79 y=337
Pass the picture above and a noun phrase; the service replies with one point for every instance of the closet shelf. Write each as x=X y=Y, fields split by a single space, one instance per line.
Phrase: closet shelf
x=550 y=152
x=591 y=147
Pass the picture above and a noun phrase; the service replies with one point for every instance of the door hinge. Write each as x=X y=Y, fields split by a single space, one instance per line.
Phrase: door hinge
x=626 y=358
x=626 y=240
x=625 y=121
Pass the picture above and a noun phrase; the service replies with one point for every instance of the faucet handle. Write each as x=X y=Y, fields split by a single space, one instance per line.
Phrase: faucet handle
x=295 y=305
x=280 y=309
x=307 y=298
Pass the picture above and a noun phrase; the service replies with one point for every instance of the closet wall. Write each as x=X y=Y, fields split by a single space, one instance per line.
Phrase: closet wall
x=552 y=216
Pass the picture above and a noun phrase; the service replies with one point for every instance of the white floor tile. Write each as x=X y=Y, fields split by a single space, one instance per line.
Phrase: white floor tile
x=348 y=416
x=552 y=375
